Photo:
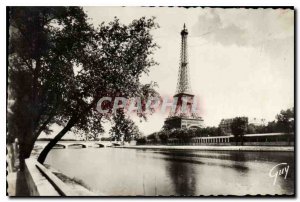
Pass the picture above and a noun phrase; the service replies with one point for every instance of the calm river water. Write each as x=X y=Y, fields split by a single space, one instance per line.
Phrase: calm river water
x=119 y=171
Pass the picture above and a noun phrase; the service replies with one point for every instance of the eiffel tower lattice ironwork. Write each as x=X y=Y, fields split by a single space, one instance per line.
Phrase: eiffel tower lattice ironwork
x=183 y=118
x=183 y=84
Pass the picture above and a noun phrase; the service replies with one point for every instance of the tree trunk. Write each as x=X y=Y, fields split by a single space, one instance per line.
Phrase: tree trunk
x=42 y=157
x=25 y=147
x=53 y=142
x=242 y=140
x=24 y=153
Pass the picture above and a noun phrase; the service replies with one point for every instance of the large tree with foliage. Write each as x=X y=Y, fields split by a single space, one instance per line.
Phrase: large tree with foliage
x=123 y=129
x=239 y=128
x=286 y=121
x=44 y=43
x=71 y=67
x=112 y=66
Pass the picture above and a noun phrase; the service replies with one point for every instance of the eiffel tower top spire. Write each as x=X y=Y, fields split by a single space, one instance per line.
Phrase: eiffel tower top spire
x=183 y=83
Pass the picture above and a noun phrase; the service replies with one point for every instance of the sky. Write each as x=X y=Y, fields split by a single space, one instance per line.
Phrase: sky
x=241 y=61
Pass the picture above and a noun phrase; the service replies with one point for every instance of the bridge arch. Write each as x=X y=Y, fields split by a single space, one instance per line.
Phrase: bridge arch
x=115 y=144
x=76 y=145
x=59 y=146
x=99 y=145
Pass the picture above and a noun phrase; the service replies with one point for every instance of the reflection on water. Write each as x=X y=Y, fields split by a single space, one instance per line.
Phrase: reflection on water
x=118 y=171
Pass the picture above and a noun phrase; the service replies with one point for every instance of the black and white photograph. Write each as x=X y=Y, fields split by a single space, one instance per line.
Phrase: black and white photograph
x=150 y=101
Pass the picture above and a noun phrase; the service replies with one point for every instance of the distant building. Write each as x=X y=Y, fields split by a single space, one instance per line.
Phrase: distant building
x=257 y=121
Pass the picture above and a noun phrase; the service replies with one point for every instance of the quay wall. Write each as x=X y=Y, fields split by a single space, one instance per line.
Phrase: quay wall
x=37 y=183
x=43 y=182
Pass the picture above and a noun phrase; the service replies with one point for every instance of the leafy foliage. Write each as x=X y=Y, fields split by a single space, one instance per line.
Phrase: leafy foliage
x=124 y=128
x=141 y=140
x=284 y=123
x=44 y=43
x=286 y=120
x=60 y=66
x=239 y=127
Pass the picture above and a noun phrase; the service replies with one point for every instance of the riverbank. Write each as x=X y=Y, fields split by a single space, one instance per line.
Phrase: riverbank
x=216 y=148
x=77 y=185
x=17 y=181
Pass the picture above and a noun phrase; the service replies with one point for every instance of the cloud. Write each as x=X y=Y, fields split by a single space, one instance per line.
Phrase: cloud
x=244 y=27
x=211 y=27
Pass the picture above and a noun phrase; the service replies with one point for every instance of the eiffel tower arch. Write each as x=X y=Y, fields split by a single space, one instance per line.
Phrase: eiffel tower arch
x=183 y=118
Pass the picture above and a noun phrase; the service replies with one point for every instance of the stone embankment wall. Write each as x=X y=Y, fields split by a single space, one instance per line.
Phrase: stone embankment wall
x=42 y=182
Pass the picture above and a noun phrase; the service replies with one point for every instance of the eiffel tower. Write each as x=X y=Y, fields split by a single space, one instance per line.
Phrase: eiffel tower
x=183 y=116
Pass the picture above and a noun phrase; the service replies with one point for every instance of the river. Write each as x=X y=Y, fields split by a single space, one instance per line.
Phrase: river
x=120 y=171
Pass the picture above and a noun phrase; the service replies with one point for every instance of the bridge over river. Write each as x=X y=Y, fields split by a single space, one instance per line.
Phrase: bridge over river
x=78 y=144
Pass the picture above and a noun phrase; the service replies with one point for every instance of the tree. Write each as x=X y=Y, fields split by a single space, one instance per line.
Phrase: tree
x=183 y=134
x=154 y=137
x=141 y=140
x=285 y=120
x=83 y=135
x=69 y=65
x=251 y=129
x=124 y=128
x=239 y=128
x=208 y=131
x=44 y=43
x=105 y=138
x=221 y=131
x=116 y=59
x=164 y=136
